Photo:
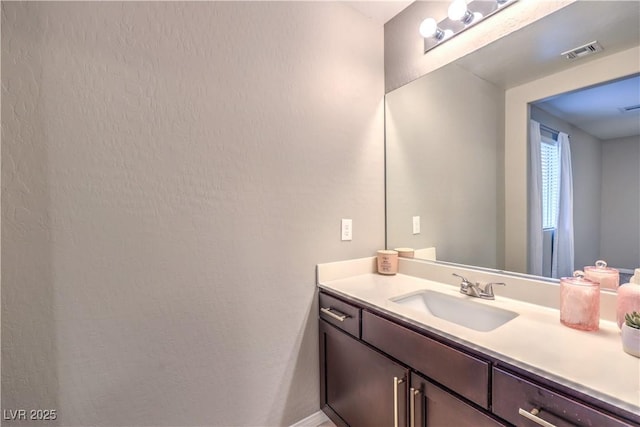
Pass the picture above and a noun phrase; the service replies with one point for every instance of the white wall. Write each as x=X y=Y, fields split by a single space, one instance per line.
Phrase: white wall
x=172 y=172
x=433 y=161
x=621 y=189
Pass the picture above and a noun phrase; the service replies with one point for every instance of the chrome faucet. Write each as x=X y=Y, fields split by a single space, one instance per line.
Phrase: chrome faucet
x=476 y=290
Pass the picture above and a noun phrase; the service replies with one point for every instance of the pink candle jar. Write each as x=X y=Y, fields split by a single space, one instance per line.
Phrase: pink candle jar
x=579 y=302
x=387 y=262
x=609 y=278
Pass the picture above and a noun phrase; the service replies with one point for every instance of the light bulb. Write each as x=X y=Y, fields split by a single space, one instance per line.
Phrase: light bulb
x=429 y=28
x=458 y=11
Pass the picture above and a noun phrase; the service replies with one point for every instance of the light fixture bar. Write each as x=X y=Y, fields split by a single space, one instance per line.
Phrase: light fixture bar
x=460 y=19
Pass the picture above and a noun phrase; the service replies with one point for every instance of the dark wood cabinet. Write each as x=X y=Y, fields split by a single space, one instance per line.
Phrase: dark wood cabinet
x=360 y=386
x=431 y=406
x=378 y=370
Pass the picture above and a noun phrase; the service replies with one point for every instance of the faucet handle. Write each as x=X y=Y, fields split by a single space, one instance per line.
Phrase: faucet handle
x=488 y=288
x=465 y=282
x=464 y=279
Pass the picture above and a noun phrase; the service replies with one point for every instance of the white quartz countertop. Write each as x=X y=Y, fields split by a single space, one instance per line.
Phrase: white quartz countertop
x=591 y=362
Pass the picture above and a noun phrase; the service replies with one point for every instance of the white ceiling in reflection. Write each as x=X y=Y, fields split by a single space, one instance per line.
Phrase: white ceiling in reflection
x=598 y=110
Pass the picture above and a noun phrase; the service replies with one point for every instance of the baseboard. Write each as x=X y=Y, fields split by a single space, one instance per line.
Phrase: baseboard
x=312 y=420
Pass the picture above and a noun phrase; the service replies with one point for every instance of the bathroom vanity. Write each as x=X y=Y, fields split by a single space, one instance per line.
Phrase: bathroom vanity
x=386 y=363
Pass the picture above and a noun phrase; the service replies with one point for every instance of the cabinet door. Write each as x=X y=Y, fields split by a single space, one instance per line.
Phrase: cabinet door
x=431 y=406
x=358 y=384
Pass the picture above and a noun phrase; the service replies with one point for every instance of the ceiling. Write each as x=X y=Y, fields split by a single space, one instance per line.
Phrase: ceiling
x=379 y=11
x=597 y=110
x=535 y=51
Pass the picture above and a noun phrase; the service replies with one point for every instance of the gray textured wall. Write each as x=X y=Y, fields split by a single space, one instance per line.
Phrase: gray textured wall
x=172 y=172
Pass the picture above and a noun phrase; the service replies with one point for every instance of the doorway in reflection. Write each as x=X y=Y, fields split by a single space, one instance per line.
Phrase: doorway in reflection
x=604 y=127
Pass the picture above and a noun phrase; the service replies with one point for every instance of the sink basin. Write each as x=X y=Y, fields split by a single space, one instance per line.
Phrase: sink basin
x=461 y=311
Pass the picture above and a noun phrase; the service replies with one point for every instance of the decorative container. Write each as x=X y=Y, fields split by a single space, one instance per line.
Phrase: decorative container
x=631 y=340
x=405 y=252
x=580 y=302
x=387 y=262
x=628 y=299
x=609 y=278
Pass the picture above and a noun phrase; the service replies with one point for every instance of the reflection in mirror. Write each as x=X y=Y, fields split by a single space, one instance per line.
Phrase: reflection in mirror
x=585 y=179
x=452 y=157
x=443 y=134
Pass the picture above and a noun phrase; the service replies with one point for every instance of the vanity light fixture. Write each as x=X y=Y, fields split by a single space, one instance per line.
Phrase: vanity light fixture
x=461 y=15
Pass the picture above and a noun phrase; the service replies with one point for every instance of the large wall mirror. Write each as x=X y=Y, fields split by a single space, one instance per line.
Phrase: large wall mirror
x=457 y=150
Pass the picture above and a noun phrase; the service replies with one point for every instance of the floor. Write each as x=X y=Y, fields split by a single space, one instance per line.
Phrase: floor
x=327 y=424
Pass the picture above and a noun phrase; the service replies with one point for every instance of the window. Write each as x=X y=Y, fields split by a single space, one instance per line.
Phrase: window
x=550 y=182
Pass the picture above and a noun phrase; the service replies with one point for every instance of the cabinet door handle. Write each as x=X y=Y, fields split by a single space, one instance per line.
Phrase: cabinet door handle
x=533 y=416
x=341 y=317
x=413 y=393
x=396 y=412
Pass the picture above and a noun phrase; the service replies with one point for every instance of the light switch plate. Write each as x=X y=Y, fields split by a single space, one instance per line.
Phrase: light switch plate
x=416 y=225
x=347 y=229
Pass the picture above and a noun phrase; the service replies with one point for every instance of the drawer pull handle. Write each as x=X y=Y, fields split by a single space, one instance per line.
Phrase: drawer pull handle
x=533 y=416
x=341 y=317
x=396 y=382
x=413 y=393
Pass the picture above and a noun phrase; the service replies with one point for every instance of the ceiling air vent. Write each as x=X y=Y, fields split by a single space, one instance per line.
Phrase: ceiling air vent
x=582 y=51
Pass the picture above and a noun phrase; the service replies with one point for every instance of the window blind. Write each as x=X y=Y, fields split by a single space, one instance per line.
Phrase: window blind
x=550 y=182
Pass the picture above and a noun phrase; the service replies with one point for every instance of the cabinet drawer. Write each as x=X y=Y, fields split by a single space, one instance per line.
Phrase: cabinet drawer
x=458 y=371
x=512 y=393
x=340 y=314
